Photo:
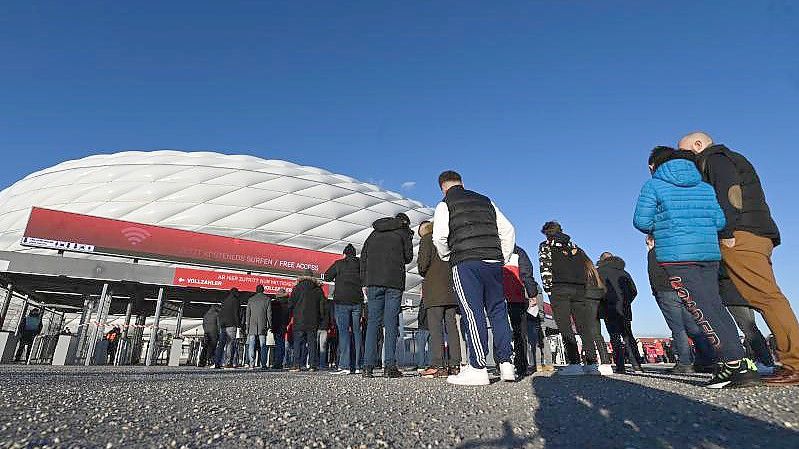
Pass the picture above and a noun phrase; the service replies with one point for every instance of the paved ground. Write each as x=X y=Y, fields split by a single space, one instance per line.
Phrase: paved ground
x=187 y=407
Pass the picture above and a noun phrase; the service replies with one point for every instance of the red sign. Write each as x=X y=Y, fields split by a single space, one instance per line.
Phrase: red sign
x=219 y=280
x=87 y=234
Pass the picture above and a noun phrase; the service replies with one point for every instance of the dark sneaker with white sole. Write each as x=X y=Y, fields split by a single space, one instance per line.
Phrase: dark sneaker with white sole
x=742 y=373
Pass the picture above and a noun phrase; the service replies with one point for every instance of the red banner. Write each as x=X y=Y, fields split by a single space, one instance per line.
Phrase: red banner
x=219 y=280
x=87 y=234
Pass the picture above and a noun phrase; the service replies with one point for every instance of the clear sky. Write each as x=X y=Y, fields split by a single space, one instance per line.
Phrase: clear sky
x=549 y=107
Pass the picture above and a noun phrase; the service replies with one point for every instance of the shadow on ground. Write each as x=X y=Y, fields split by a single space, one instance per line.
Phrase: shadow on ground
x=612 y=413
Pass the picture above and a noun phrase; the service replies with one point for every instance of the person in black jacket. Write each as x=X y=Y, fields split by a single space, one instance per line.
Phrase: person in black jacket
x=347 y=304
x=618 y=313
x=747 y=242
x=386 y=252
x=308 y=304
x=440 y=305
x=564 y=274
x=29 y=328
x=229 y=322
x=210 y=335
x=281 y=313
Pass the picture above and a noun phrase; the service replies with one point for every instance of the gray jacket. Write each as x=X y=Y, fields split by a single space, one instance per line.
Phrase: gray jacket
x=259 y=314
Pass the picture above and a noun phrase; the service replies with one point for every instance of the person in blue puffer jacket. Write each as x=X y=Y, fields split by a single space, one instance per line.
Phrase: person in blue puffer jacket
x=683 y=215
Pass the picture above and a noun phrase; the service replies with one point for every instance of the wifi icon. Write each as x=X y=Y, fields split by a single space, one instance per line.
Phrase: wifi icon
x=135 y=235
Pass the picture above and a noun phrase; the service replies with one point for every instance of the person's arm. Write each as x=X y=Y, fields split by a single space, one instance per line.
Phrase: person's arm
x=526 y=273
x=330 y=274
x=629 y=285
x=645 y=209
x=507 y=234
x=723 y=176
x=268 y=312
x=248 y=316
x=425 y=256
x=407 y=245
x=365 y=257
x=441 y=231
x=545 y=266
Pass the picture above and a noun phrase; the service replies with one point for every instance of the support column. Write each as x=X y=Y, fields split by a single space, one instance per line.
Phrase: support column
x=6 y=304
x=154 y=331
x=93 y=335
x=179 y=323
x=123 y=345
x=21 y=316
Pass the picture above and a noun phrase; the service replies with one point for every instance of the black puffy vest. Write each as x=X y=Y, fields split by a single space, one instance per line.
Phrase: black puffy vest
x=754 y=216
x=473 y=233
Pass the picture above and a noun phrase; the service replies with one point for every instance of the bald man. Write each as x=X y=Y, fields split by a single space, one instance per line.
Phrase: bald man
x=747 y=243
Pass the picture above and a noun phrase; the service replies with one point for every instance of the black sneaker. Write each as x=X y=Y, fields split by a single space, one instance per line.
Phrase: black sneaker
x=392 y=372
x=368 y=372
x=742 y=373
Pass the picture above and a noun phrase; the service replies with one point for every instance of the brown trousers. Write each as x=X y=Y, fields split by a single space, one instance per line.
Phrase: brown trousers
x=749 y=266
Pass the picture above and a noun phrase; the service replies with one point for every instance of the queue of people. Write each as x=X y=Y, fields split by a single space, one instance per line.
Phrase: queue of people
x=709 y=235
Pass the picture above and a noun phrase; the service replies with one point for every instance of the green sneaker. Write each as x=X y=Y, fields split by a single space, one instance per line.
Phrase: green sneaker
x=740 y=374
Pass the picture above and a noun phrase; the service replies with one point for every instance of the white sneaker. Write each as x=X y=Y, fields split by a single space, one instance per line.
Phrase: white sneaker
x=592 y=370
x=605 y=369
x=571 y=370
x=340 y=372
x=357 y=371
x=470 y=376
x=507 y=372
x=764 y=370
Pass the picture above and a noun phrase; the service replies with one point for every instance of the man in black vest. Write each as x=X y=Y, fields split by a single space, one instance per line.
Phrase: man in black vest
x=475 y=238
x=747 y=243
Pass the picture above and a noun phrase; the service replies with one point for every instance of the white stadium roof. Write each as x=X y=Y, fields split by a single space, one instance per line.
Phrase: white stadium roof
x=237 y=196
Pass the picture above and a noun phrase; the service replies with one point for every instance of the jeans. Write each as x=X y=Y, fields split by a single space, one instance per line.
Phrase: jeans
x=279 y=351
x=422 y=353
x=321 y=337
x=440 y=321
x=384 y=309
x=754 y=342
x=305 y=347
x=570 y=302
x=348 y=323
x=481 y=296
x=230 y=342
x=697 y=285
x=263 y=349
x=683 y=326
x=208 y=353
x=537 y=341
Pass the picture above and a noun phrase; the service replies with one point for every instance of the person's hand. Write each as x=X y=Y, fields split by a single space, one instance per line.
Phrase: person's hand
x=729 y=243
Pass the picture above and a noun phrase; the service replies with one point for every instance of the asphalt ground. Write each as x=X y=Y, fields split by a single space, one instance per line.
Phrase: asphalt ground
x=104 y=407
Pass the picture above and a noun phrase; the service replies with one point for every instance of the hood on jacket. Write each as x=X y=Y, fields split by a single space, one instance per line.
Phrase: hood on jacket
x=388 y=224
x=615 y=262
x=307 y=278
x=349 y=250
x=561 y=239
x=679 y=172
x=426 y=228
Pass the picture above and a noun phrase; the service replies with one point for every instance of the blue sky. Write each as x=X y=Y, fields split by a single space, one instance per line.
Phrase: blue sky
x=549 y=107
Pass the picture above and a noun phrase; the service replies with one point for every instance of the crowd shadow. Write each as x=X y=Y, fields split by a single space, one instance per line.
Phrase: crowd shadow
x=606 y=412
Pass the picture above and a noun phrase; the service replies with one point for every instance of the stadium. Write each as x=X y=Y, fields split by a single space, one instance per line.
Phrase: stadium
x=140 y=240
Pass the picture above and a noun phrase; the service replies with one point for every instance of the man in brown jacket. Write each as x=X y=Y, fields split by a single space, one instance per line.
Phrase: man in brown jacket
x=442 y=306
x=747 y=243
